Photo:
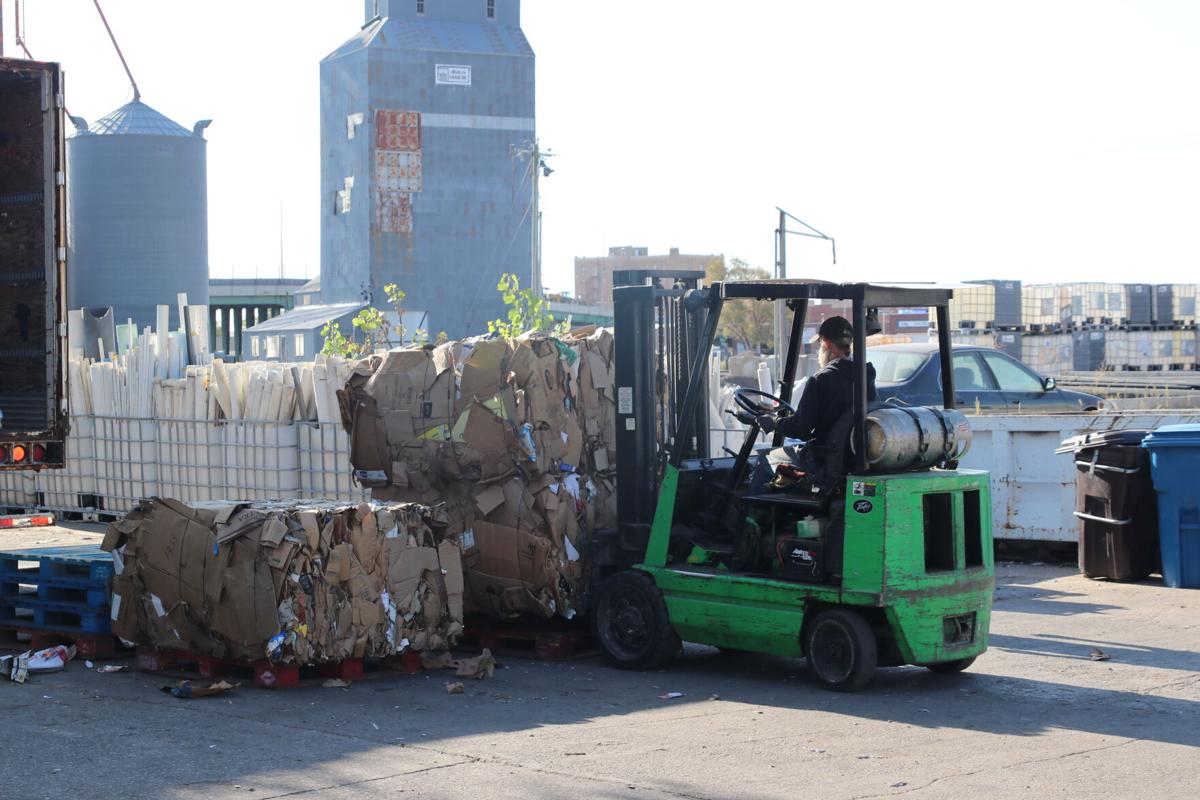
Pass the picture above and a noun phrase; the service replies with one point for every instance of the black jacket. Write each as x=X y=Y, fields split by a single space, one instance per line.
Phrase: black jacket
x=826 y=396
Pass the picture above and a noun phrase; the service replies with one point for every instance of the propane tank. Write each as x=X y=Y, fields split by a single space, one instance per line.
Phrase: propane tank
x=915 y=437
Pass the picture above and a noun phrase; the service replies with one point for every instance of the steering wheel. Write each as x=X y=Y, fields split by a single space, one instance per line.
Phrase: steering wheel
x=744 y=399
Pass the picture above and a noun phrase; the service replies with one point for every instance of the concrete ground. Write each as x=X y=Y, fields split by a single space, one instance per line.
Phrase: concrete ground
x=1036 y=716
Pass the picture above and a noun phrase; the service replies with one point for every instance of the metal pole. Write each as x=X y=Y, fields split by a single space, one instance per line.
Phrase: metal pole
x=944 y=354
x=793 y=355
x=860 y=385
x=1 y=28
x=137 y=95
x=536 y=222
x=781 y=273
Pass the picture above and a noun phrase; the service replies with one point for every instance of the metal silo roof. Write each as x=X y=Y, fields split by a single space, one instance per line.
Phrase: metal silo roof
x=137 y=118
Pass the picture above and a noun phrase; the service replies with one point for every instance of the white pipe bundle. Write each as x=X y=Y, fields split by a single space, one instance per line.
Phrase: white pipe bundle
x=146 y=423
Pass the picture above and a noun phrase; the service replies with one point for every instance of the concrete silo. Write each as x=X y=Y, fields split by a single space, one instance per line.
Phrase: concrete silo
x=137 y=192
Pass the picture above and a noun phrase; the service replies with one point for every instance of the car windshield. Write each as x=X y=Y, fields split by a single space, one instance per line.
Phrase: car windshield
x=895 y=366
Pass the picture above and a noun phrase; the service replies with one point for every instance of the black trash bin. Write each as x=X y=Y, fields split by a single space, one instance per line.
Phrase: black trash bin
x=1116 y=507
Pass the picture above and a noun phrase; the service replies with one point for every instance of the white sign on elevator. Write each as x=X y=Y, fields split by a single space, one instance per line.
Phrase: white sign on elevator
x=452 y=74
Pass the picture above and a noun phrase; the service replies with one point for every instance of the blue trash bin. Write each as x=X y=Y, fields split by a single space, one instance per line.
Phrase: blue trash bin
x=1175 y=470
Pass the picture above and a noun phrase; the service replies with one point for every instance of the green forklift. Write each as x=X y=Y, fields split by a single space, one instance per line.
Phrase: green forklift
x=875 y=551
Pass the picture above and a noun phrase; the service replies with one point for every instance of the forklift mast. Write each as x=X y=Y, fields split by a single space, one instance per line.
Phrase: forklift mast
x=661 y=340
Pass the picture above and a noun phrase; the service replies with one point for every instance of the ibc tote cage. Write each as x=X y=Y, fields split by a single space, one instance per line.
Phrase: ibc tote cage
x=131 y=459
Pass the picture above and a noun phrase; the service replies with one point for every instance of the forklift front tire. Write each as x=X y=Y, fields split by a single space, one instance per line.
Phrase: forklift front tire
x=631 y=622
x=841 y=650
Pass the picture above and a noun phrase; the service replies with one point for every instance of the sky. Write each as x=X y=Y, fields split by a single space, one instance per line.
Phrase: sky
x=1040 y=141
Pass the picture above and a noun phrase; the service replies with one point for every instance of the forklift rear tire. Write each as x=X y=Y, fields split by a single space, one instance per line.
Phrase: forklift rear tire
x=841 y=650
x=631 y=622
x=945 y=667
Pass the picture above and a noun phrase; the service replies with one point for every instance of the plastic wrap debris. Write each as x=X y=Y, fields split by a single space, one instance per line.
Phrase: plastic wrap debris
x=184 y=690
x=515 y=437
x=298 y=583
x=107 y=668
x=51 y=659
x=15 y=668
x=454 y=688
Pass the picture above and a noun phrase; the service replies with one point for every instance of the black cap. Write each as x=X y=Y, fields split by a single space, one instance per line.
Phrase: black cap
x=836 y=329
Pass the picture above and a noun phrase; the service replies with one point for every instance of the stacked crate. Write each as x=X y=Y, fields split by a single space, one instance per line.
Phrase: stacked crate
x=1089 y=350
x=985 y=305
x=1048 y=353
x=1175 y=305
x=1139 y=304
x=1151 y=350
x=1045 y=308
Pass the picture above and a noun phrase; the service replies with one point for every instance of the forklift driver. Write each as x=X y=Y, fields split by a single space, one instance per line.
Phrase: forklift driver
x=829 y=393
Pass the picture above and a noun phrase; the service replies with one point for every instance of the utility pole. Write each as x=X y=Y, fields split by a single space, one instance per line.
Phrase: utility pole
x=539 y=169
x=781 y=234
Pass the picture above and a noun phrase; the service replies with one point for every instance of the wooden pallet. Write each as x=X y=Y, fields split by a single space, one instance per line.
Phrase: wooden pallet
x=65 y=592
x=543 y=640
x=87 y=562
x=266 y=674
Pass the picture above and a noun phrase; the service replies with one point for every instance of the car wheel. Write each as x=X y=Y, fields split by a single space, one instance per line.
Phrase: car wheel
x=841 y=650
x=631 y=622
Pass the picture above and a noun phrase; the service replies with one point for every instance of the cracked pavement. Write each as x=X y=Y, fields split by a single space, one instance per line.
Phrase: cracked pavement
x=1035 y=715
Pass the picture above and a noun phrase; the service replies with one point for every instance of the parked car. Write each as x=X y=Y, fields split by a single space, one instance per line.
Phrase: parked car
x=984 y=378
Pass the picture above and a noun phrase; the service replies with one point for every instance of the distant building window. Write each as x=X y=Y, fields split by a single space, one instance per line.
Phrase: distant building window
x=491 y=9
x=420 y=6
x=255 y=346
x=298 y=345
x=273 y=346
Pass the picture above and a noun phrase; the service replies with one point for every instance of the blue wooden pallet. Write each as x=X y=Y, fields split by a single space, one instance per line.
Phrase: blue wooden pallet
x=85 y=594
x=52 y=616
x=86 y=563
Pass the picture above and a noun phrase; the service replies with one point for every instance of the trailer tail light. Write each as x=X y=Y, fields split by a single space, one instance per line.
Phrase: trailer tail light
x=39 y=453
x=3 y=454
x=18 y=453
x=35 y=521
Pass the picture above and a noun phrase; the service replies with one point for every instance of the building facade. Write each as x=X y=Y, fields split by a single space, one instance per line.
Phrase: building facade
x=427 y=120
x=593 y=275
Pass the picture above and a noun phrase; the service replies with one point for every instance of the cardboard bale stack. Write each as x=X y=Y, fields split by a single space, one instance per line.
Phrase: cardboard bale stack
x=302 y=584
x=516 y=437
